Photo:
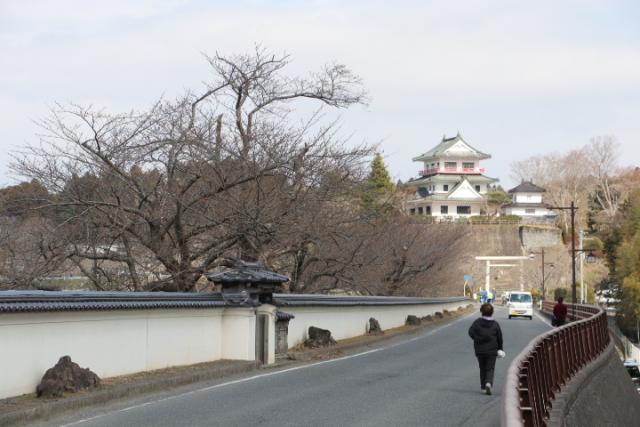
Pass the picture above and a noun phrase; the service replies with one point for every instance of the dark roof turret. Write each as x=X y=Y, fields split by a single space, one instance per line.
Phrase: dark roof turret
x=527 y=187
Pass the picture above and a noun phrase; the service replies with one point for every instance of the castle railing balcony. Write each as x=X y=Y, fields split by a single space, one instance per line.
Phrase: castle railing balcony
x=433 y=171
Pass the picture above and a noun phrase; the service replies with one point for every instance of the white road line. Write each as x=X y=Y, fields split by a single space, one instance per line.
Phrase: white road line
x=270 y=374
x=543 y=319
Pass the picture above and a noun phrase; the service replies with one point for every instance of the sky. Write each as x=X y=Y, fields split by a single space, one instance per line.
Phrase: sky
x=516 y=79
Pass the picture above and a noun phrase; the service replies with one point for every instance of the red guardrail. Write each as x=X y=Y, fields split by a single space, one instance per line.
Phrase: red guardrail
x=435 y=170
x=539 y=372
x=579 y=311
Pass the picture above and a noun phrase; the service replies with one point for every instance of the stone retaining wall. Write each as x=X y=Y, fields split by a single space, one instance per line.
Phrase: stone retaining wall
x=539 y=237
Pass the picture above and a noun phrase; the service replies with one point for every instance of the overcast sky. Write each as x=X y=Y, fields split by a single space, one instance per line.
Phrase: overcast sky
x=515 y=78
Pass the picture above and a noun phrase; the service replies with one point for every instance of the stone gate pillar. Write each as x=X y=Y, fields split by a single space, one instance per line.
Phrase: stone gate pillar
x=282 y=331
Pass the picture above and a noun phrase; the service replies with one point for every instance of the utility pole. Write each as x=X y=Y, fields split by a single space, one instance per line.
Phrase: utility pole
x=573 y=259
x=542 y=254
x=583 y=289
x=487 y=276
x=572 y=208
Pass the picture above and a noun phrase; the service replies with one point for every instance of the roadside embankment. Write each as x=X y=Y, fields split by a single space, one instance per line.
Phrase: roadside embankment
x=601 y=394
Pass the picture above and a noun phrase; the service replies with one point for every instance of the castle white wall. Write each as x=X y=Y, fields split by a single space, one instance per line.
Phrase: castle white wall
x=528 y=197
x=435 y=210
x=522 y=211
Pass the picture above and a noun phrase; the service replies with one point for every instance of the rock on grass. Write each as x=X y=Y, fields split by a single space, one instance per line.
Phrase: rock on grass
x=66 y=377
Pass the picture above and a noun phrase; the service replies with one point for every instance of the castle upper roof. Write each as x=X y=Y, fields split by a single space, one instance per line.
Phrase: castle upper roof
x=452 y=147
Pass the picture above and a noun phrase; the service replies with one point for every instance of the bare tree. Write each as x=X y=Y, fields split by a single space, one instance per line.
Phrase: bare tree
x=29 y=251
x=537 y=169
x=387 y=256
x=566 y=178
x=591 y=172
x=180 y=188
x=602 y=152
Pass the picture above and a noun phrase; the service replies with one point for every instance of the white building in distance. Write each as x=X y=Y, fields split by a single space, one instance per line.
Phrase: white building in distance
x=526 y=201
x=451 y=184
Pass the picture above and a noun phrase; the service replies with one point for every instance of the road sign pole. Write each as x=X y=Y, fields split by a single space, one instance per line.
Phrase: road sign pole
x=487 y=277
x=467 y=279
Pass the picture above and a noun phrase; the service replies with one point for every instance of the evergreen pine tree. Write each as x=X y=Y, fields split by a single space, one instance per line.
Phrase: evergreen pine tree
x=378 y=189
x=379 y=179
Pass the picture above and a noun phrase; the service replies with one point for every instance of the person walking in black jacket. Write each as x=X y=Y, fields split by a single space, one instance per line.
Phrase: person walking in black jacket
x=487 y=344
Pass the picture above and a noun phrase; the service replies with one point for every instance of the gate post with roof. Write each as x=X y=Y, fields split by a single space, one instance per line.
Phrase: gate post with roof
x=249 y=281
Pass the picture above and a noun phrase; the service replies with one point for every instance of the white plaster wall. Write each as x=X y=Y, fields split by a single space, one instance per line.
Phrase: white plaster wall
x=238 y=334
x=440 y=187
x=435 y=210
x=109 y=343
x=348 y=322
x=113 y=343
x=528 y=197
x=465 y=191
x=522 y=212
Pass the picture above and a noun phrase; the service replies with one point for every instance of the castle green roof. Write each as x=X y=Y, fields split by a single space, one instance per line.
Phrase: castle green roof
x=444 y=149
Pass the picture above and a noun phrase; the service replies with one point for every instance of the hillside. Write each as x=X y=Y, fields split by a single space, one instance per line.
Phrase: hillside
x=502 y=240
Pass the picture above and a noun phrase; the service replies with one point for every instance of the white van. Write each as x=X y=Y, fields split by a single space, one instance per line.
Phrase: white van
x=520 y=304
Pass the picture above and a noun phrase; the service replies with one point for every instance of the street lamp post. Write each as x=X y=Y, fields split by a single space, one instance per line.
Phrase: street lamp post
x=590 y=258
x=544 y=277
x=573 y=259
x=572 y=208
x=543 y=291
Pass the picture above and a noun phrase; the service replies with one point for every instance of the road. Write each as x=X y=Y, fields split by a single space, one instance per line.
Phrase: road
x=430 y=379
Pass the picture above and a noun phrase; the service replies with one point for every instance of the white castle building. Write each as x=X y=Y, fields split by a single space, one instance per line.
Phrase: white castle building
x=526 y=201
x=451 y=183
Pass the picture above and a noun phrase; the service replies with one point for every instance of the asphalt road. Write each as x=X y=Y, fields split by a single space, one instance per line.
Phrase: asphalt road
x=431 y=379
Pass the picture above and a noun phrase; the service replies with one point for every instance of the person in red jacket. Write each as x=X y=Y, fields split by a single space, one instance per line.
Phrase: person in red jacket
x=560 y=312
